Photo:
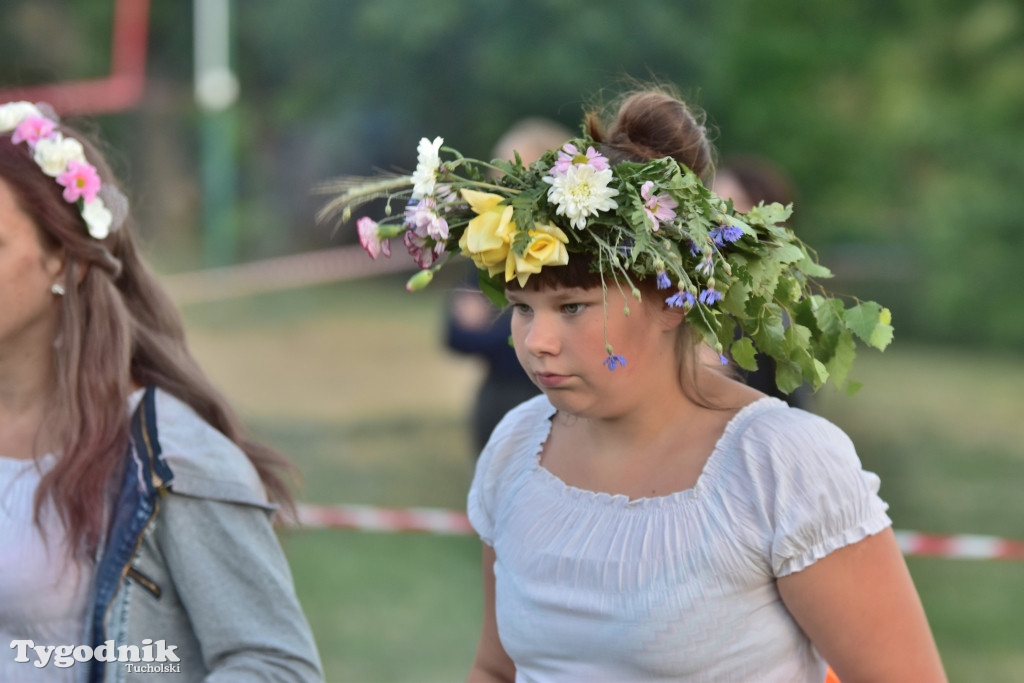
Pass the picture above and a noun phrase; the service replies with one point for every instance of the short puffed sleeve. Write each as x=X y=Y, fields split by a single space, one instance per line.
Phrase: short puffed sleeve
x=514 y=444
x=812 y=492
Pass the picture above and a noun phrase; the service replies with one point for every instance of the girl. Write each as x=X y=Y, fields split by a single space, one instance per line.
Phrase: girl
x=133 y=510
x=648 y=517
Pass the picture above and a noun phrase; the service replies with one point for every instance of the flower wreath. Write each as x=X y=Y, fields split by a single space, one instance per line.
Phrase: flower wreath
x=63 y=158
x=634 y=221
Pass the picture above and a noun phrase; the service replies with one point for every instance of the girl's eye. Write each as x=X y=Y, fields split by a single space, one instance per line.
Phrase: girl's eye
x=574 y=309
x=522 y=309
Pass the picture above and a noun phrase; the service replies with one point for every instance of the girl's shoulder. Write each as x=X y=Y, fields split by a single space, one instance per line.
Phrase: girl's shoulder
x=797 y=481
x=204 y=463
x=768 y=426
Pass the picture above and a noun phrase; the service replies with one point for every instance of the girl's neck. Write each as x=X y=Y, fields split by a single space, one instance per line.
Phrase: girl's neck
x=26 y=387
x=658 y=420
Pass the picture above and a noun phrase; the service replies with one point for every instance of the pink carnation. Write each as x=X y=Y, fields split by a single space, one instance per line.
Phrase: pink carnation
x=423 y=249
x=425 y=217
x=79 y=180
x=32 y=129
x=369 y=237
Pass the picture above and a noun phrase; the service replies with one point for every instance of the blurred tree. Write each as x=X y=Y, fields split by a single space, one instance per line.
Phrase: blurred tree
x=900 y=120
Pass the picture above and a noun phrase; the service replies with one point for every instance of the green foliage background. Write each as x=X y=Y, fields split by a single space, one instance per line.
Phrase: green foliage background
x=901 y=122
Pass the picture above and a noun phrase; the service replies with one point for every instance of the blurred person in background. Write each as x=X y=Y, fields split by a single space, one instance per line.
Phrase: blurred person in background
x=134 y=511
x=476 y=327
x=749 y=180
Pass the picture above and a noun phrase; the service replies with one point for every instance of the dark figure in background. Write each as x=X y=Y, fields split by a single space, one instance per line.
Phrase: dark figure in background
x=475 y=327
x=748 y=181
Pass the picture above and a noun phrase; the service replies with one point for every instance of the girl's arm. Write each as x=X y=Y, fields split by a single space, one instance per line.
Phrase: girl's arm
x=859 y=607
x=492 y=663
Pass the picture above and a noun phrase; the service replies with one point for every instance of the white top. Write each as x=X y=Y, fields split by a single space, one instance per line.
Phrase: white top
x=43 y=593
x=597 y=587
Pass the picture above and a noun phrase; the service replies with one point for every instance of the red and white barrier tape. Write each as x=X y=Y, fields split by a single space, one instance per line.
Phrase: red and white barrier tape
x=960 y=546
x=438 y=521
x=369 y=518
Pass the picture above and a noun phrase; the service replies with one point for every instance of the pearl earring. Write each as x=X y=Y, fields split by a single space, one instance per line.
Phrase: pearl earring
x=57 y=289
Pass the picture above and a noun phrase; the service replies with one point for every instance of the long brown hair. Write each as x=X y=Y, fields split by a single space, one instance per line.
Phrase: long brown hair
x=118 y=328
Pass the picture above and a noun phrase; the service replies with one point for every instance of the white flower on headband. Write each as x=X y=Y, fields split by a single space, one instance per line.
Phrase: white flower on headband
x=97 y=218
x=14 y=113
x=53 y=154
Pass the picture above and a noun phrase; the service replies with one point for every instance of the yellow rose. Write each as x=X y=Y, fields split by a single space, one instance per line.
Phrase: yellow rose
x=488 y=236
x=546 y=248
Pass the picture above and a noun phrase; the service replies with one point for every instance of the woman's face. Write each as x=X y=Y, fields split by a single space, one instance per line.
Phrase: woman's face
x=559 y=337
x=28 y=308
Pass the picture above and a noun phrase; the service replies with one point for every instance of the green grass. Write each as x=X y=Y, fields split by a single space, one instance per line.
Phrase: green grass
x=351 y=380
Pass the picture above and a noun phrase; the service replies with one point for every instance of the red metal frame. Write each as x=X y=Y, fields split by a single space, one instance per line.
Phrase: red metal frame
x=121 y=89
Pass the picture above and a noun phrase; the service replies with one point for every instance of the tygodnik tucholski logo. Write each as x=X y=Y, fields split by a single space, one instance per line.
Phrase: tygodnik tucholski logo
x=135 y=659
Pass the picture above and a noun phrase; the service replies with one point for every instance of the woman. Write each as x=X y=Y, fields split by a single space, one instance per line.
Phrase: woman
x=136 y=514
x=649 y=517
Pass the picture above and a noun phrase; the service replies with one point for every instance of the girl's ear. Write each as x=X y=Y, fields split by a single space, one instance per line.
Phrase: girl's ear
x=670 y=317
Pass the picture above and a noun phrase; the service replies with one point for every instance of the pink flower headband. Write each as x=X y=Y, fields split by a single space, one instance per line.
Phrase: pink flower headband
x=63 y=158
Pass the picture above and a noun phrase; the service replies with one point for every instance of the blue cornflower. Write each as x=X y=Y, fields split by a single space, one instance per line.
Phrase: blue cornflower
x=681 y=299
x=613 y=361
x=663 y=281
x=725 y=234
x=731 y=233
x=694 y=249
x=723 y=360
x=710 y=296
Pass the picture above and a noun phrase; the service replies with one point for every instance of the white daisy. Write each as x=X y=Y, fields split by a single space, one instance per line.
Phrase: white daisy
x=428 y=160
x=580 y=192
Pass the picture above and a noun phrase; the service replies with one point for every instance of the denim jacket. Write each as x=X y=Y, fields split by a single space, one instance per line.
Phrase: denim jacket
x=191 y=559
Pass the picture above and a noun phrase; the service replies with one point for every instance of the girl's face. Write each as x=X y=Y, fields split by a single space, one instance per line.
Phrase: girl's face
x=28 y=309
x=559 y=336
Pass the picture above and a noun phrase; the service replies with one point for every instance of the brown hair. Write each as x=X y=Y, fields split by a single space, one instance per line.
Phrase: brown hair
x=118 y=328
x=652 y=124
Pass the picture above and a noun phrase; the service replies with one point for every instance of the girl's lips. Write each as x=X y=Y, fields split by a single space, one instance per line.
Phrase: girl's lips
x=548 y=379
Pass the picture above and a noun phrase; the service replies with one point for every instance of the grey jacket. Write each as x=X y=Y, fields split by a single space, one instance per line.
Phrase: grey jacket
x=192 y=560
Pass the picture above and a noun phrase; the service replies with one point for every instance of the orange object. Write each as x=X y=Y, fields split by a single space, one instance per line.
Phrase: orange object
x=830 y=676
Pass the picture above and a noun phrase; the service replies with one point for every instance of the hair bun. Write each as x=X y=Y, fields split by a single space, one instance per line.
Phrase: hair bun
x=652 y=124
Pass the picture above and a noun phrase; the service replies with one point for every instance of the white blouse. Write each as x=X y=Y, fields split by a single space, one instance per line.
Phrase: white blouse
x=43 y=592
x=597 y=587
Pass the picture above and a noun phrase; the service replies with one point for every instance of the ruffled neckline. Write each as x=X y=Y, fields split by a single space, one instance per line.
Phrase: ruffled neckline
x=713 y=464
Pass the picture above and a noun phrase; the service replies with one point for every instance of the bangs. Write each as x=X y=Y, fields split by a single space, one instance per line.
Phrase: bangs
x=581 y=272
x=576 y=273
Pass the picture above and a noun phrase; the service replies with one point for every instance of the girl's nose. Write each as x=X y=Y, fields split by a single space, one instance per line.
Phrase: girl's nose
x=542 y=337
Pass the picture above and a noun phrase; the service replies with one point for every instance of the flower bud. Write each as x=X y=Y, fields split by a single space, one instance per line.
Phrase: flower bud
x=419 y=280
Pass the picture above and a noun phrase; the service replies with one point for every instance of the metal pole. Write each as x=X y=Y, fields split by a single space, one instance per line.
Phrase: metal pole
x=216 y=91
